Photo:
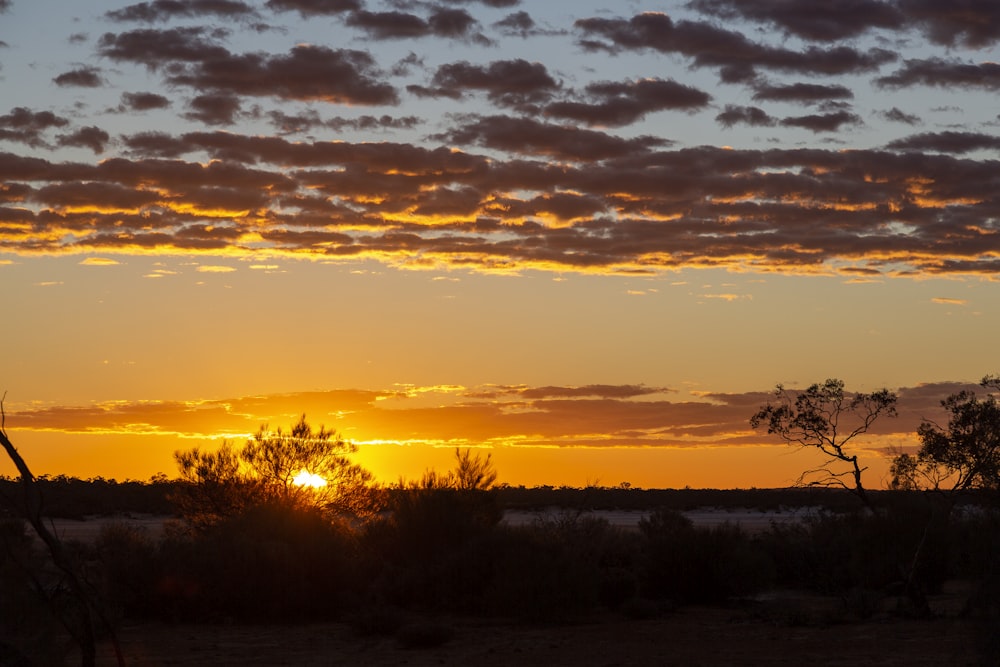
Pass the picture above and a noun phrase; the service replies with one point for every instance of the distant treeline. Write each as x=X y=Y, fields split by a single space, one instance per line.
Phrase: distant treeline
x=72 y=498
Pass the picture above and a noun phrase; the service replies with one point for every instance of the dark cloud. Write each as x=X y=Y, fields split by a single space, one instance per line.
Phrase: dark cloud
x=592 y=390
x=5 y=5
x=157 y=48
x=530 y=137
x=947 y=142
x=520 y=24
x=389 y=25
x=621 y=103
x=787 y=210
x=164 y=10
x=943 y=74
x=307 y=72
x=738 y=115
x=365 y=122
x=144 y=101
x=91 y=137
x=455 y=24
x=828 y=122
x=804 y=93
x=710 y=46
x=510 y=83
x=969 y=23
x=82 y=77
x=818 y=20
x=314 y=7
x=499 y=4
x=25 y=126
x=442 y=22
x=214 y=109
x=897 y=115
x=596 y=415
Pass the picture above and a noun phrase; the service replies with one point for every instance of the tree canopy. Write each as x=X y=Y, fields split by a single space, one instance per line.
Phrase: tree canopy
x=827 y=418
x=963 y=455
x=265 y=470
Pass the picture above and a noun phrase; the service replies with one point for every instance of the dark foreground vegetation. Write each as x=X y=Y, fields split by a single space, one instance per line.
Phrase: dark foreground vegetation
x=444 y=550
x=248 y=544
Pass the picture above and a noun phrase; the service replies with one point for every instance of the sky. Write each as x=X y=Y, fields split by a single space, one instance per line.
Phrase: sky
x=588 y=239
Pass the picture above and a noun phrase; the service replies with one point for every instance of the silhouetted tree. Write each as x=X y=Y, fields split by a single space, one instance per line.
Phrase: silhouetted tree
x=964 y=455
x=227 y=482
x=213 y=485
x=276 y=458
x=473 y=473
x=827 y=418
x=82 y=630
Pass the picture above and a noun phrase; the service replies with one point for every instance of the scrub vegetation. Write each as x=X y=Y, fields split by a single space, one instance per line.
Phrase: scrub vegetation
x=247 y=544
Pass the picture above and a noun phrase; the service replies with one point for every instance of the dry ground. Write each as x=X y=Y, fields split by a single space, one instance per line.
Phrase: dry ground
x=691 y=637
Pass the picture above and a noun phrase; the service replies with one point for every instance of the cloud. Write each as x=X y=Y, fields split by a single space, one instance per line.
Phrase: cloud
x=896 y=115
x=531 y=137
x=693 y=207
x=25 y=126
x=82 y=77
x=307 y=73
x=622 y=103
x=596 y=415
x=164 y=10
x=739 y=115
x=829 y=122
x=99 y=261
x=214 y=109
x=949 y=302
x=91 y=137
x=144 y=101
x=973 y=23
x=207 y=268
x=802 y=93
x=941 y=73
x=817 y=20
x=156 y=48
x=314 y=7
x=710 y=46
x=510 y=83
x=946 y=142
x=520 y=24
x=441 y=22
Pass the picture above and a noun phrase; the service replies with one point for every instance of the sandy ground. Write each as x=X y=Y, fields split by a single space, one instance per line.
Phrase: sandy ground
x=692 y=637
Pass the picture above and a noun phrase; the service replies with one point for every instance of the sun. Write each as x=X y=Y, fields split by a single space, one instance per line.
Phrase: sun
x=306 y=478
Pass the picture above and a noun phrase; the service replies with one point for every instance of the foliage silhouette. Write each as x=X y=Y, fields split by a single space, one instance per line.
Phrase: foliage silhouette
x=228 y=482
x=827 y=418
x=84 y=617
x=687 y=564
x=964 y=455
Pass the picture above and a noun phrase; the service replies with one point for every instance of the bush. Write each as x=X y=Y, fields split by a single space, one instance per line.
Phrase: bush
x=687 y=564
x=271 y=563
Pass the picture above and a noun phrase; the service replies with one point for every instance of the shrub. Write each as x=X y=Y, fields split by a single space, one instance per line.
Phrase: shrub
x=687 y=564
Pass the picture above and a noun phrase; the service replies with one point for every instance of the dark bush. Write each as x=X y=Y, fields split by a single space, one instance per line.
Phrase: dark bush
x=688 y=564
x=271 y=563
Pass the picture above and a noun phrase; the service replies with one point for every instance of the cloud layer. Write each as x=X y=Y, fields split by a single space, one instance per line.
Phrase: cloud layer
x=494 y=162
x=549 y=416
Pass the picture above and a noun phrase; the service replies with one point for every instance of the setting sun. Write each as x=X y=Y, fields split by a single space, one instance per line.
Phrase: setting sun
x=306 y=478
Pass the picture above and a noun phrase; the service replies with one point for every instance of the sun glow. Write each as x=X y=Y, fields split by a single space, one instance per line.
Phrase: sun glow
x=306 y=478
